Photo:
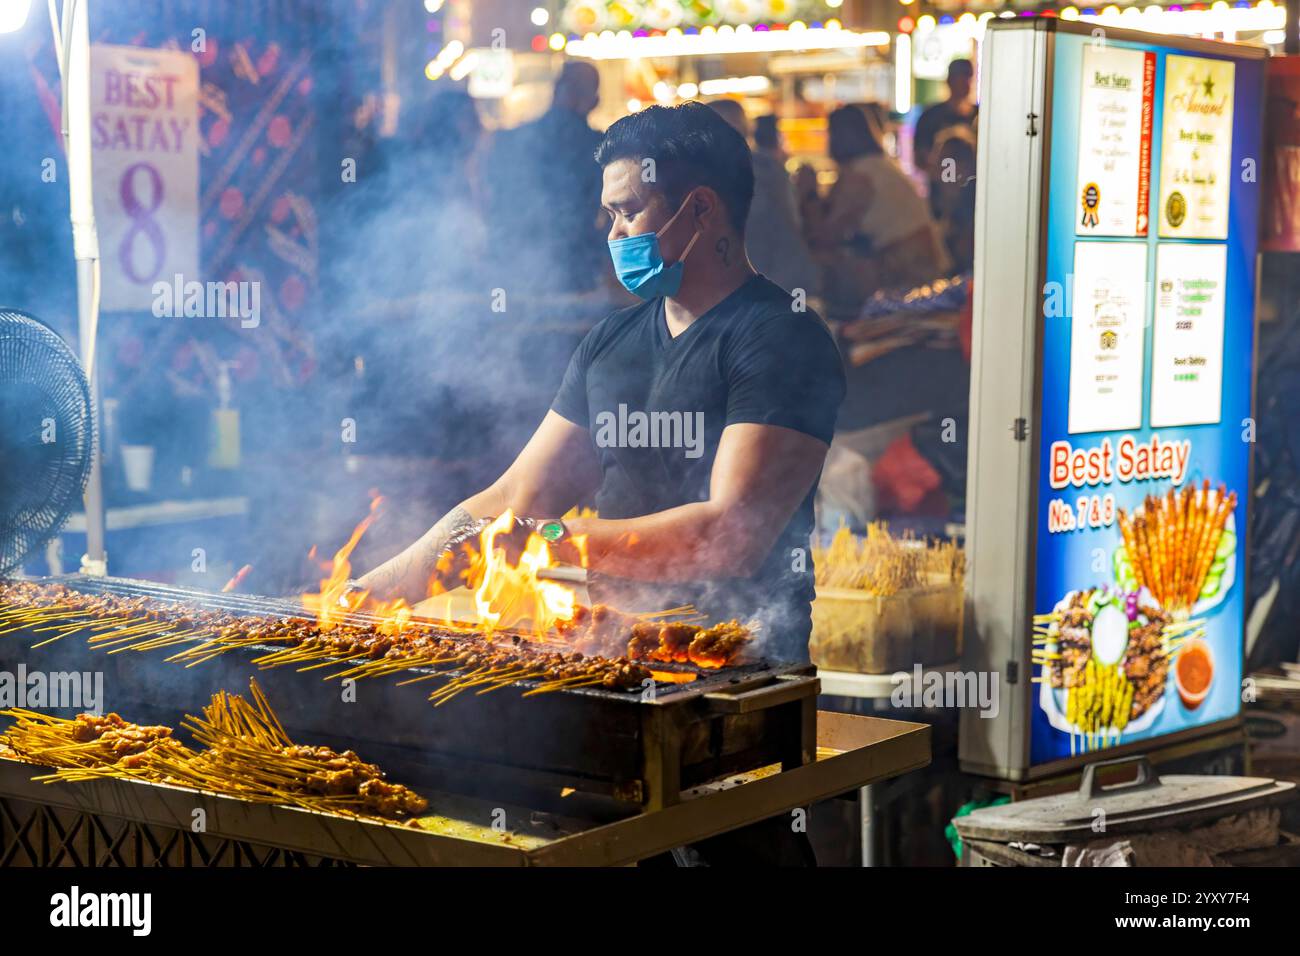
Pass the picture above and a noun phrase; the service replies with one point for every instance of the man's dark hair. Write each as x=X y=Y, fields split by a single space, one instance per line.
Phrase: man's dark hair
x=961 y=67
x=691 y=146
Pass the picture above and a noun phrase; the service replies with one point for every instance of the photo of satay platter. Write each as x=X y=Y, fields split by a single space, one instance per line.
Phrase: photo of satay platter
x=1107 y=657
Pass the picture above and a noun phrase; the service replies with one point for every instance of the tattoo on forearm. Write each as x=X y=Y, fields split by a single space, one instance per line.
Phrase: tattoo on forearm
x=423 y=555
x=723 y=248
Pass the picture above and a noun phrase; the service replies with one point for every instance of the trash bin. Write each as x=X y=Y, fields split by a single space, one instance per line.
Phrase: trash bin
x=1178 y=820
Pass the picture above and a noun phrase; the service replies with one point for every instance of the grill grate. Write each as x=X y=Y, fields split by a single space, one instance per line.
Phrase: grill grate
x=707 y=679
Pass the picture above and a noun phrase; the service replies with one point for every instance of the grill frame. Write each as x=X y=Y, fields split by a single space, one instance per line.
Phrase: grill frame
x=618 y=750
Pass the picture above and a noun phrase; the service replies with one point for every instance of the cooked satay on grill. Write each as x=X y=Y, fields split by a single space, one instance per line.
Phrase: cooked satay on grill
x=655 y=641
x=645 y=641
x=86 y=740
x=717 y=646
x=600 y=630
x=484 y=663
x=712 y=647
x=246 y=754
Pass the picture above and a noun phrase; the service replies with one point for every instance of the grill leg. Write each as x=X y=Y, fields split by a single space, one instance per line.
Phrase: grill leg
x=661 y=758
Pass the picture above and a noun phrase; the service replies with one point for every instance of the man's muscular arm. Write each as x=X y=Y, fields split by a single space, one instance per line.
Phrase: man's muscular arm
x=759 y=477
x=556 y=467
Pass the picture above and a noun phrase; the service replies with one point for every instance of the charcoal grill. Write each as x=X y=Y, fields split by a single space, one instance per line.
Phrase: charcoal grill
x=610 y=752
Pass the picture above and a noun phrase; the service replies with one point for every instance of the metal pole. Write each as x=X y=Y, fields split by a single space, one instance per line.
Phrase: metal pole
x=85 y=245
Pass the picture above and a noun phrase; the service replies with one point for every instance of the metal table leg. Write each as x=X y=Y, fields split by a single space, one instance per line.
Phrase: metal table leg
x=866 y=806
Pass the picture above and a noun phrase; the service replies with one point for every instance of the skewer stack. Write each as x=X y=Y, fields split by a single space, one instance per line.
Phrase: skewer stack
x=882 y=564
x=1171 y=541
x=245 y=753
x=117 y=624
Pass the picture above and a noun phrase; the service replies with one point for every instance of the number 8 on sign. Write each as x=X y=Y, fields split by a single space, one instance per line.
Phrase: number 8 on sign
x=141 y=222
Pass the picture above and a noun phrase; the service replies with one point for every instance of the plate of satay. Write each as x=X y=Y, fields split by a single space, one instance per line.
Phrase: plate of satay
x=1104 y=661
x=1181 y=547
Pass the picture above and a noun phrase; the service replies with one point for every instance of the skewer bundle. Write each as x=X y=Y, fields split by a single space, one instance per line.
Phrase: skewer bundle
x=1171 y=541
x=882 y=564
x=118 y=624
x=88 y=741
x=245 y=753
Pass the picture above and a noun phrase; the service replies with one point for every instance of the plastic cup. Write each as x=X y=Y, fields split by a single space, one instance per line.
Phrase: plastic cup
x=137 y=460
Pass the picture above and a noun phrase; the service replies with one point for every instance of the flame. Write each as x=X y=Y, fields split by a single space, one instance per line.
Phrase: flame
x=505 y=595
x=329 y=604
x=673 y=677
x=509 y=594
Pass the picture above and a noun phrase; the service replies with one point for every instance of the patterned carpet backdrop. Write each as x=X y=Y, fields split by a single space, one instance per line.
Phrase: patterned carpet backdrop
x=268 y=159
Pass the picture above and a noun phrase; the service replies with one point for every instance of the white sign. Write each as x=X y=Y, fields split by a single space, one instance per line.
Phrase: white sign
x=1115 y=113
x=493 y=74
x=1196 y=150
x=1107 y=340
x=1187 y=347
x=934 y=49
x=145 y=135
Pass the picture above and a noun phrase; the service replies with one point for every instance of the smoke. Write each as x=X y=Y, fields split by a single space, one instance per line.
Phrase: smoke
x=411 y=330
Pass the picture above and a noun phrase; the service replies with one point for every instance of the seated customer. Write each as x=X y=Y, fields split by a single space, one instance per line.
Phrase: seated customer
x=873 y=229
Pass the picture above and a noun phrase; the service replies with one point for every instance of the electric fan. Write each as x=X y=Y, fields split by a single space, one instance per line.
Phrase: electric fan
x=47 y=436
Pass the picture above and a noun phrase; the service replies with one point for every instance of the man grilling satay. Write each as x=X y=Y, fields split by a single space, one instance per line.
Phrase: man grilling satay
x=698 y=420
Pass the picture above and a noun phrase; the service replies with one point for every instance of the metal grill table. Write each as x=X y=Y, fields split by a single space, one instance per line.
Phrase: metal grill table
x=130 y=823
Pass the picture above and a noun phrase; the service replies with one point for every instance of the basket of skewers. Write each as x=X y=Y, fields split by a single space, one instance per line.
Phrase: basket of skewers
x=885 y=602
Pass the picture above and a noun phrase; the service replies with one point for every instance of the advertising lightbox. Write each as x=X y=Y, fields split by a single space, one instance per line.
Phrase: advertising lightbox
x=1112 y=390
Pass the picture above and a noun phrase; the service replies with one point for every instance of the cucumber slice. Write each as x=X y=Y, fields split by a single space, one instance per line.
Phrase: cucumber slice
x=1227 y=544
x=1123 y=569
x=1211 y=586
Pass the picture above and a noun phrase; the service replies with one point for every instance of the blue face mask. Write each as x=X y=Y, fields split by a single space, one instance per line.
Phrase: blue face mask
x=640 y=266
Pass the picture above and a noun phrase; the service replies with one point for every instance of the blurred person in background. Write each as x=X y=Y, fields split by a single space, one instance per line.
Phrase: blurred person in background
x=767 y=138
x=417 y=197
x=956 y=110
x=440 y=164
x=774 y=236
x=543 y=192
x=952 y=194
x=878 y=118
x=873 y=229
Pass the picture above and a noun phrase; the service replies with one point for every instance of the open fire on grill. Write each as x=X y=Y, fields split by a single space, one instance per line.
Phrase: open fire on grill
x=517 y=596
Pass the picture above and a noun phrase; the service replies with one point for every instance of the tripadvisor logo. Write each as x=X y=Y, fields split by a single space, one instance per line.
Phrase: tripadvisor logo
x=637 y=429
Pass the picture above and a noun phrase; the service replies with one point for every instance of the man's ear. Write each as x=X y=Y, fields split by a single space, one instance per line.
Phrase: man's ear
x=706 y=206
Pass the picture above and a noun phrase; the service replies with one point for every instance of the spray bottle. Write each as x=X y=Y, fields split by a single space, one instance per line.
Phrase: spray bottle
x=224 y=449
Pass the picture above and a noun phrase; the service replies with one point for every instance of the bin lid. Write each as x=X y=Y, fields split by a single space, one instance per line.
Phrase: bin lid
x=1147 y=803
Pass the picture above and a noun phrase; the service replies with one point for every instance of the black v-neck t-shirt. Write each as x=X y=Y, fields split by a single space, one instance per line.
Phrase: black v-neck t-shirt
x=656 y=406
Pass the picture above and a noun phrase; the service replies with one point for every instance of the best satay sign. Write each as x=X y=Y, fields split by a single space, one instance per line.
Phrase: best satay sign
x=145 y=136
x=1101 y=465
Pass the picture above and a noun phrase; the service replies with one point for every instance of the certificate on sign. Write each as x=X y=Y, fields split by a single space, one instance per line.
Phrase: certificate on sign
x=1106 y=336
x=1115 y=112
x=1196 y=148
x=1187 y=346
